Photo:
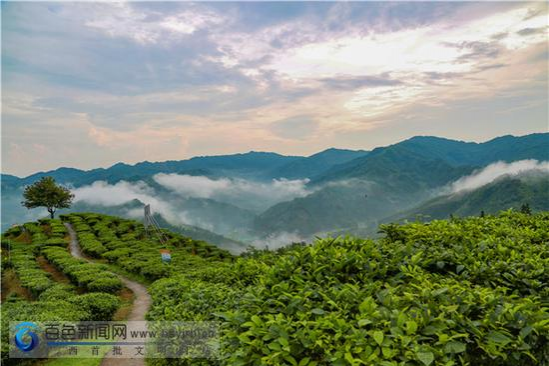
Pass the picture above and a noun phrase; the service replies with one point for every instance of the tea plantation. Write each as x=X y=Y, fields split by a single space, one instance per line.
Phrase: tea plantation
x=467 y=291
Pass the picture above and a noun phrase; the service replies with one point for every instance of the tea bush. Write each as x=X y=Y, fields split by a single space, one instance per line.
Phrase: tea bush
x=94 y=277
x=99 y=305
x=125 y=243
x=28 y=271
x=467 y=291
x=57 y=291
x=90 y=245
x=319 y=305
x=36 y=311
x=52 y=301
x=458 y=292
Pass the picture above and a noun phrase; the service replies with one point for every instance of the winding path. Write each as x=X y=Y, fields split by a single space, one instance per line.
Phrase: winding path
x=141 y=303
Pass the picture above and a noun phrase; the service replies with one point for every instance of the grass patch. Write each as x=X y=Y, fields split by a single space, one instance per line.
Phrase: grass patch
x=70 y=362
x=57 y=275
x=11 y=286
x=127 y=297
x=24 y=237
x=132 y=276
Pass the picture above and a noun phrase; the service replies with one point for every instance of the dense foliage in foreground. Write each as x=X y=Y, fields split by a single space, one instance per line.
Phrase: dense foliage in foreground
x=90 y=296
x=459 y=292
x=451 y=292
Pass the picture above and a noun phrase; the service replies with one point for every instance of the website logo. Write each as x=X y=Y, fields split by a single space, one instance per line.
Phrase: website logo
x=25 y=337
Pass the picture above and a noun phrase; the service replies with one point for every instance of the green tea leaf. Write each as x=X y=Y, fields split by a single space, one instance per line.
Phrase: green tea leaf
x=378 y=337
x=498 y=337
x=411 y=327
x=455 y=347
x=425 y=357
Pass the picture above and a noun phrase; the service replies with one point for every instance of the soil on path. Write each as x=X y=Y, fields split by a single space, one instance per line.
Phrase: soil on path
x=140 y=306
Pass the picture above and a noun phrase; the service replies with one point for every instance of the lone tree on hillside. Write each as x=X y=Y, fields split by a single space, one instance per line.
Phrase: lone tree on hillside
x=525 y=209
x=46 y=193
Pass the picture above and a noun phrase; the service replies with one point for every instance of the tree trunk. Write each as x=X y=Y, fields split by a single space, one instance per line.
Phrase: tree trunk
x=52 y=212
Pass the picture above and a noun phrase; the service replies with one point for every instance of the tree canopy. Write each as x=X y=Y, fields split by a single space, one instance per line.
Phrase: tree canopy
x=47 y=193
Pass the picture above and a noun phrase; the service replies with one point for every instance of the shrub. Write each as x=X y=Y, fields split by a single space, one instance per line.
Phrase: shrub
x=13 y=232
x=36 y=311
x=196 y=300
x=459 y=292
x=155 y=271
x=57 y=292
x=28 y=271
x=7 y=243
x=90 y=245
x=105 y=285
x=114 y=255
x=56 y=242
x=100 y=306
x=93 y=277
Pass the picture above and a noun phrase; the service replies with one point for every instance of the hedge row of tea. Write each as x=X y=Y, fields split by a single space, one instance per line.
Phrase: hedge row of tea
x=32 y=239
x=91 y=276
x=50 y=300
x=459 y=292
x=126 y=244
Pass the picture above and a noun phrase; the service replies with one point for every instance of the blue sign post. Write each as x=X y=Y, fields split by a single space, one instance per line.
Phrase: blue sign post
x=166 y=255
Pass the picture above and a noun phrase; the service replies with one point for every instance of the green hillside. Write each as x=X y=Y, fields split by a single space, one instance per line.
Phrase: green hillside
x=504 y=193
x=332 y=207
x=253 y=164
x=316 y=164
x=452 y=292
x=435 y=149
x=392 y=179
x=347 y=189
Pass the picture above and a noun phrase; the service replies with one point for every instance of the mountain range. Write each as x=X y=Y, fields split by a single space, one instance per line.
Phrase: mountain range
x=255 y=197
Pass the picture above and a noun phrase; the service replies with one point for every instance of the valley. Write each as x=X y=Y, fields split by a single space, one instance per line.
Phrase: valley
x=242 y=200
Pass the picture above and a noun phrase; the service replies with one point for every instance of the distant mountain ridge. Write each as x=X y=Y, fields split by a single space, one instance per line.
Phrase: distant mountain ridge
x=400 y=176
x=316 y=164
x=339 y=190
x=253 y=165
x=454 y=153
x=328 y=163
x=503 y=193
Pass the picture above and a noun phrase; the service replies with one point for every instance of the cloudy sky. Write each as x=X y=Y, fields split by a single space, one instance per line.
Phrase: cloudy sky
x=90 y=84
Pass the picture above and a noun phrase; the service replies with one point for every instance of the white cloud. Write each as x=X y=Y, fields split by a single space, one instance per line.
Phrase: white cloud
x=406 y=50
x=104 y=194
x=497 y=170
x=458 y=49
x=371 y=102
x=108 y=195
x=193 y=186
x=240 y=192
x=430 y=48
x=509 y=23
x=277 y=241
x=178 y=79
x=125 y=21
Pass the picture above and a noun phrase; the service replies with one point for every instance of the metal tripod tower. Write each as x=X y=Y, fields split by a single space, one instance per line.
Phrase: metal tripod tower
x=152 y=227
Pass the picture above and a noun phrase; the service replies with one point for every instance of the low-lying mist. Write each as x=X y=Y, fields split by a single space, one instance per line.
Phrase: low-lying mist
x=497 y=170
x=101 y=193
x=256 y=196
x=225 y=206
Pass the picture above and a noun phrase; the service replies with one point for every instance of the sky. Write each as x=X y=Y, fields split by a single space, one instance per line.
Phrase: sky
x=89 y=84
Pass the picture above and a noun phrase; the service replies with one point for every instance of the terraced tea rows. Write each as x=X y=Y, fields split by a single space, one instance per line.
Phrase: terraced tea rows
x=51 y=300
x=459 y=292
x=452 y=292
x=126 y=244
